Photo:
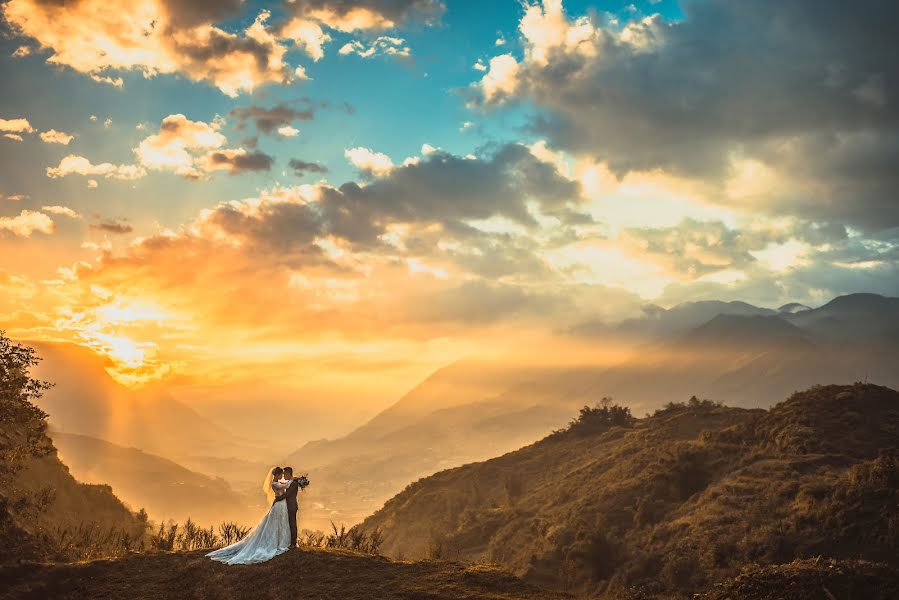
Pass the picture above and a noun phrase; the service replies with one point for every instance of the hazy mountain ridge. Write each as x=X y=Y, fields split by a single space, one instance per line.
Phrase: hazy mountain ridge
x=676 y=502
x=165 y=489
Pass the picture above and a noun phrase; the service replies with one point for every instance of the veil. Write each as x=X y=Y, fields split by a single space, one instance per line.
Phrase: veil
x=267 y=486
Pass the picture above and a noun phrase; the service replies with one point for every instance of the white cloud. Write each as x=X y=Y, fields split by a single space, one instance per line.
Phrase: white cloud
x=382 y=46
x=19 y=125
x=376 y=163
x=176 y=145
x=501 y=80
x=92 y=184
x=13 y=136
x=79 y=165
x=26 y=223
x=53 y=136
x=61 y=210
x=288 y=131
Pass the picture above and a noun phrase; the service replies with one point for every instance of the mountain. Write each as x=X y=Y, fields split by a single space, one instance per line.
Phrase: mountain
x=468 y=411
x=473 y=409
x=658 y=323
x=793 y=307
x=857 y=320
x=295 y=574
x=743 y=361
x=165 y=489
x=87 y=401
x=673 y=502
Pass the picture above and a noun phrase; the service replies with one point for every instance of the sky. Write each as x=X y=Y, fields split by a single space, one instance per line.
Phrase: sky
x=349 y=193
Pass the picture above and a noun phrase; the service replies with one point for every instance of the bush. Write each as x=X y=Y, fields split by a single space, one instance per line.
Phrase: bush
x=599 y=418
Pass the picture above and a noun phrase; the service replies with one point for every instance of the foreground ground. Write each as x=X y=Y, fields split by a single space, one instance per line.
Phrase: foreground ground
x=299 y=574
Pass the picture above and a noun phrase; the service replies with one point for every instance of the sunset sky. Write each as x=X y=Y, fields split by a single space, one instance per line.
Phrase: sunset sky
x=352 y=192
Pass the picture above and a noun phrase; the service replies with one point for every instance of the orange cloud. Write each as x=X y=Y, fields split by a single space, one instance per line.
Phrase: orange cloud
x=146 y=35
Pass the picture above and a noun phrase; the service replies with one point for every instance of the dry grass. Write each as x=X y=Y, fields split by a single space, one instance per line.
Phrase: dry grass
x=303 y=574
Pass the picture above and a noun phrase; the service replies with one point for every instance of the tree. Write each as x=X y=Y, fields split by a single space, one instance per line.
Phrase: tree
x=23 y=425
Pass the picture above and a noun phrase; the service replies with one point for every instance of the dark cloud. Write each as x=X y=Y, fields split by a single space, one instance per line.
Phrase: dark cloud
x=111 y=226
x=268 y=120
x=814 y=83
x=242 y=162
x=196 y=12
x=397 y=11
x=444 y=188
x=301 y=167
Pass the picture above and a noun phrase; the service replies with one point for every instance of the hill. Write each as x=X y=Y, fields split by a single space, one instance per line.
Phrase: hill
x=165 y=489
x=673 y=502
x=309 y=574
x=44 y=512
x=811 y=580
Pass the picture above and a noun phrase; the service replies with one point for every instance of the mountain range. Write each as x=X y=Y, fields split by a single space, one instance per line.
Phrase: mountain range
x=473 y=410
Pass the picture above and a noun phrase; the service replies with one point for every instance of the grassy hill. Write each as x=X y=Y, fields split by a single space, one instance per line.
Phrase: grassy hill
x=307 y=574
x=673 y=502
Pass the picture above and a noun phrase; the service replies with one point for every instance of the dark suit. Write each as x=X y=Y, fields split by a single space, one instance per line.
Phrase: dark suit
x=290 y=496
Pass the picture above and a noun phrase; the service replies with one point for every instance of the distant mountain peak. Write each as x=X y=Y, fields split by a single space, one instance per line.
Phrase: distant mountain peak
x=793 y=308
x=859 y=301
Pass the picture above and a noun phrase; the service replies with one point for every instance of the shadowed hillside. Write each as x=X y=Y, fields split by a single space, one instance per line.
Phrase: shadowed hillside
x=672 y=502
x=308 y=574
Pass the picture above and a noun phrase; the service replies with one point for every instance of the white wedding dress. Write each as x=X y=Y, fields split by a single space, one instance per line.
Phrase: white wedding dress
x=268 y=539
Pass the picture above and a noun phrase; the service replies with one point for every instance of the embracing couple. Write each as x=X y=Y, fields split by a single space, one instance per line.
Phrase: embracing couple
x=277 y=531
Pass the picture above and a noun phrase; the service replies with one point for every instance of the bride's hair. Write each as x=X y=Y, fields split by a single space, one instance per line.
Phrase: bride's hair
x=267 y=484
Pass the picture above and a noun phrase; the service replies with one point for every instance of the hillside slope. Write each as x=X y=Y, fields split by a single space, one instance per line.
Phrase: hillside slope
x=306 y=574
x=165 y=489
x=677 y=501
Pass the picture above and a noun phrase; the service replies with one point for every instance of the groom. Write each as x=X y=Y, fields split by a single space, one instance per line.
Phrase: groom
x=290 y=496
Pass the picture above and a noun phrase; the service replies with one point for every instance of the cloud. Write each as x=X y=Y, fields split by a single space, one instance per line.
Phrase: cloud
x=26 y=223
x=178 y=145
x=802 y=81
x=288 y=131
x=14 y=137
x=269 y=120
x=693 y=248
x=382 y=46
x=79 y=165
x=56 y=137
x=368 y=161
x=301 y=167
x=236 y=161
x=19 y=125
x=308 y=22
x=61 y=210
x=153 y=36
x=112 y=226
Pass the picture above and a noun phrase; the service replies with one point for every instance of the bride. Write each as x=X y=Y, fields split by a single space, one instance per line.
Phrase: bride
x=270 y=537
